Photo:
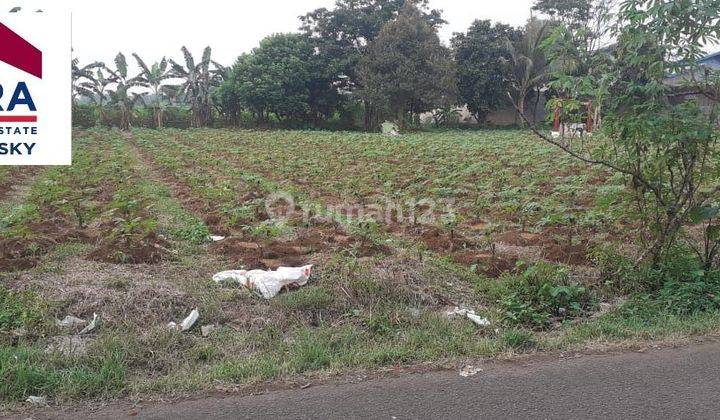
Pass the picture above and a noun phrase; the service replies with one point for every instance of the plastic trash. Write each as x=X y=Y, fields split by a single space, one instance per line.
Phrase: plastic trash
x=91 y=326
x=70 y=321
x=268 y=283
x=482 y=322
x=469 y=314
x=469 y=370
x=206 y=330
x=36 y=400
x=216 y=238
x=390 y=129
x=186 y=323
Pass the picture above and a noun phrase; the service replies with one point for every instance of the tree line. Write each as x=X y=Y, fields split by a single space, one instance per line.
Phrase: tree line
x=357 y=64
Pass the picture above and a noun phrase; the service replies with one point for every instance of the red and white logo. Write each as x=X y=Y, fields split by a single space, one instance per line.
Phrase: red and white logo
x=35 y=87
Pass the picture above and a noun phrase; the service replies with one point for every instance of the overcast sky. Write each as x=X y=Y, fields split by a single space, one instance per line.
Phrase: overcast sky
x=154 y=28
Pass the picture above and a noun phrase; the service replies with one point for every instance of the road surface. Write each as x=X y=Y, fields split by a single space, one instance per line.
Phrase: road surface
x=668 y=383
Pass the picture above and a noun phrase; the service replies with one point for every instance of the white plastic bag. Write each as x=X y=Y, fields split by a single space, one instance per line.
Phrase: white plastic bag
x=187 y=323
x=91 y=326
x=470 y=314
x=268 y=283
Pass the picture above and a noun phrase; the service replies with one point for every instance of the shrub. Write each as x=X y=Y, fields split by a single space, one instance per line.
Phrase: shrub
x=541 y=293
x=20 y=309
x=83 y=116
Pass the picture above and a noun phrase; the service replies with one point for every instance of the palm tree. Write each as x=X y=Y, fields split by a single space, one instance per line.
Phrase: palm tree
x=81 y=75
x=154 y=77
x=122 y=97
x=530 y=66
x=82 y=79
x=199 y=81
x=95 y=88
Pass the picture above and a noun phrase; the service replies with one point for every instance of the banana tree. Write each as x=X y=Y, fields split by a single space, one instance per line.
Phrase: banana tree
x=81 y=75
x=95 y=88
x=122 y=97
x=199 y=80
x=154 y=76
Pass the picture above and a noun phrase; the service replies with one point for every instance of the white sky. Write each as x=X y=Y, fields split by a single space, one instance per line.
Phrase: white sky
x=156 y=28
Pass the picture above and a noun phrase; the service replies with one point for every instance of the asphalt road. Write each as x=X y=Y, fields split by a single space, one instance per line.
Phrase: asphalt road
x=669 y=383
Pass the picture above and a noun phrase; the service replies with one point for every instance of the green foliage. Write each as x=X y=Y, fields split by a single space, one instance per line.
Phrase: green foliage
x=700 y=294
x=285 y=77
x=310 y=299
x=380 y=324
x=483 y=69
x=26 y=371
x=153 y=77
x=123 y=98
x=199 y=79
x=679 y=286
x=517 y=339
x=20 y=309
x=341 y=35
x=658 y=137
x=529 y=63
x=540 y=294
x=407 y=69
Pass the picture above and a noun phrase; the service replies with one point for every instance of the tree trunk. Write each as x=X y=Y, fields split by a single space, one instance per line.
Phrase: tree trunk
x=368 y=116
x=401 y=119
x=521 y=108
x=159 y=117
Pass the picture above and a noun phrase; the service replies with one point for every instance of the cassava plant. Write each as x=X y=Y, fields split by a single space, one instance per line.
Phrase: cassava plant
x=660 y=121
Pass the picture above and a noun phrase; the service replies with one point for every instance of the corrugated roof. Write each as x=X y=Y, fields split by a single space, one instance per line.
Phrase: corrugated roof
x=712 y=60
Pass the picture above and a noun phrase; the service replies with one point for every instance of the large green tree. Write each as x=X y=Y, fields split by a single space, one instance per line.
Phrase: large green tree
x=286 y=77
x=483 y=66
x=407 y=70
x=583 y=28
x=341 y=36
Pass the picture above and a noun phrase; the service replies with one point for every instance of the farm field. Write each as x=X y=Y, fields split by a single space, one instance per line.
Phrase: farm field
x=400 y=230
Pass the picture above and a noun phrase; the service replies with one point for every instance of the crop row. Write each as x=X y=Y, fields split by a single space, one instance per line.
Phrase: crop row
x=100 y=200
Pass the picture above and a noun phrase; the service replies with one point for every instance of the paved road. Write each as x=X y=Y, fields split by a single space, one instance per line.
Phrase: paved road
x=670 y=383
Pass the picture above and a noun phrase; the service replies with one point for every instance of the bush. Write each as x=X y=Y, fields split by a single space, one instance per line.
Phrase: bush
x=20 y=310
x=701 y=294
x=690 y=293
x=542 y=293
x=83 y=116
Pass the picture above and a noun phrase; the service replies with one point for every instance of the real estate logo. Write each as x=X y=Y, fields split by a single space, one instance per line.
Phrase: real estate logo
x=35 y=88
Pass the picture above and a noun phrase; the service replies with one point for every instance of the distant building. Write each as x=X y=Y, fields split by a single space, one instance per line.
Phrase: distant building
x=710 y=62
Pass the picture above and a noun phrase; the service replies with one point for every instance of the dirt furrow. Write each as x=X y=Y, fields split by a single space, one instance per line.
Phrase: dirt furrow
x=16 y=185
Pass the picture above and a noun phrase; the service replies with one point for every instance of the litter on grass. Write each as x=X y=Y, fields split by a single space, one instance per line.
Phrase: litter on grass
x=36 y=400
x=469 y=370
x=91 y=326
x=390 y=129
x=70 y=321
x=206 y=330
x=217 y=238
x=469 y=314
x=268 y=283
x=187 y=323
